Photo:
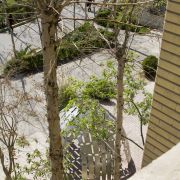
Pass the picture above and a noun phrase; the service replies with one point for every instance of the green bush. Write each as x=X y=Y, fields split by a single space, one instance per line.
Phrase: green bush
x=101 y=89
x=102 y=17
x=26 y=61
x=19 y=12
x=96 y=88
x=150 y=66
x=105 y=18
x=65 y=94
x=2 y=21
x=86 y=38
x=158 y=7
x=14 y=66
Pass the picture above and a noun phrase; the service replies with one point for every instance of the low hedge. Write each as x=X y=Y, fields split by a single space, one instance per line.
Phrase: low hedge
x=100 y=88
x=104 y=17
x=86 y=38
x=158 y=7
x=25 y=64
x=66 y=93
x=150 y=64
x=19 y=12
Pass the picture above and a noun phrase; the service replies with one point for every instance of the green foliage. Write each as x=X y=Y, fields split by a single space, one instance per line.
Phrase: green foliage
x=158 y=7
x=67 y=92
x=102 y=17
x=38 y=166
x=27 y=61
x=22 y=142
x=82 y=41
x=100 y=88
x=103 y=88
x=105 y=17
x=149 y=65
x=133 y=86
x=19 y=12
x=91 y=118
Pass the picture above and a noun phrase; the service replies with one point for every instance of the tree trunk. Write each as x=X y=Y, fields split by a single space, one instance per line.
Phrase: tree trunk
x=8 y=177
x=49 y=24
x=121 y=56
x=120 y=104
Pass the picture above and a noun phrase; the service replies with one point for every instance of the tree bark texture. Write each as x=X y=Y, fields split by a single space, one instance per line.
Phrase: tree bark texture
x=120 y=104
x=49 y=25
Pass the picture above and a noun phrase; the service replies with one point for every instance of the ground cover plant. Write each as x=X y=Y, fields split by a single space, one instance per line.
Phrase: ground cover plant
x=82 y=41
x=101 y=88
x=105 y=17
x=19 y=12
x=149 y=65
x=158 y=7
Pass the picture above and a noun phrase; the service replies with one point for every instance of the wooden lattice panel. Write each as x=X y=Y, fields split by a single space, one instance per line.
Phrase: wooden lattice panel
x=93 y=160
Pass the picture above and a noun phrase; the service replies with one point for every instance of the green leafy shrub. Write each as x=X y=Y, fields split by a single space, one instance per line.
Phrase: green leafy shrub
x=102 y=17
x=158 y=7
x=19 y=12
x=14 y=66
x=104 y=87
x=101 y=89
x=86 y=38
x=2 y=21
x=66 y=93
x=105 y=18
x=81 y=41
x=96 y=88
x=92 y=118
x=26 y=61
x=150 y=66
x=34 y=62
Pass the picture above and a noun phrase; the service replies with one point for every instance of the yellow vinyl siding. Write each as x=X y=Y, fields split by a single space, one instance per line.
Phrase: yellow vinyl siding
x=164 y=126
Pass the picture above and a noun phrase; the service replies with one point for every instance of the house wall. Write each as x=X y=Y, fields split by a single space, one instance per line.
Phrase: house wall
x=164 y=127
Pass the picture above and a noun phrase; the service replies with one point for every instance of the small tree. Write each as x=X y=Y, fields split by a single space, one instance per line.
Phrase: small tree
x=49 y=13
x=121 y=53
x=9 y=118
